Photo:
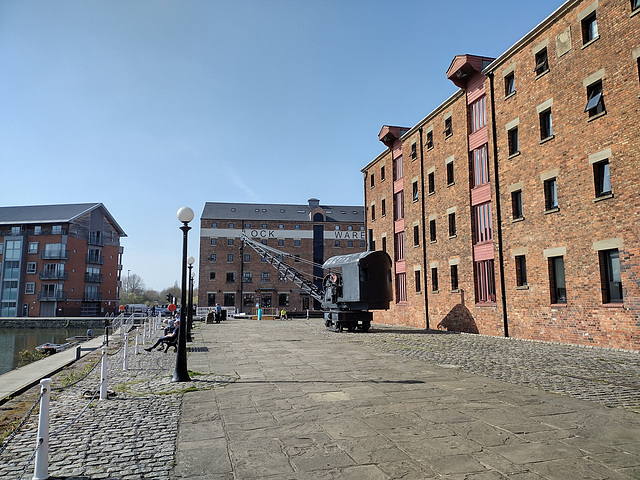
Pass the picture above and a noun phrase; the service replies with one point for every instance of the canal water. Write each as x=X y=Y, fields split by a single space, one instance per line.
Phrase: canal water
x=15 y=340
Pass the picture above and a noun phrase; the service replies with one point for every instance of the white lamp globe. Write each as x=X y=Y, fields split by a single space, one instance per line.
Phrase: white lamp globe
x=185 y=214
x=191 y=260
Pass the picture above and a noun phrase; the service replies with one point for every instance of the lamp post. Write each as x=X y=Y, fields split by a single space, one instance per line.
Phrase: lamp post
x=185 y=215
x=190 y=261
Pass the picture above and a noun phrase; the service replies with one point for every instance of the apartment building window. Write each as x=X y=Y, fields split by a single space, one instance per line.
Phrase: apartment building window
x=212 y=275
x=416 y=278
x=30 y=288
x=414 y=188
x=453 y=272
x=550 y=194
x=485 y=281
x=546 y=125
x=373 y=182
x=450 y=176
x=429 y=143
x=542 y=62
x=611 y=276
x=589 y=28
x=31 y=267
x=478 y=115
x=602 y=178
x=521 y=270
x=480 y=166
x=452 y=224
x=557 y=285
x=416 y=235
x=265 y=277
x=514 y=141
x=383 y=208
x=33 y=247
x=212 y=258
x=483 y=227
x=414 y=151
x=382 y=173
x=247 y=277
x=37 y=230
x=432 y=230
x=399 y=244
x=432 y=183
x=516 y=205
x=448 y=127
x=214 y=242
x=434 y=279
x=231 y=277
x=56 y=229
x=509 y=84
x=401 y=287
x=230 y=257
x=595 y=99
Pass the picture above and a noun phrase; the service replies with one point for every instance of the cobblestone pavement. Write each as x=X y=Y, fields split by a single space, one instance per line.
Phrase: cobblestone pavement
x=129 y=436
x=607 y=376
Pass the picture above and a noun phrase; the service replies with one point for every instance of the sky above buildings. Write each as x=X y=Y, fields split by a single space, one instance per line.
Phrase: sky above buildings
x=151 y=105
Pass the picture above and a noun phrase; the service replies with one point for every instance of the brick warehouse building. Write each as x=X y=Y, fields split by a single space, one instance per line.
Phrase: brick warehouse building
x=520 y=194
x=59 y=260
x=234 y=275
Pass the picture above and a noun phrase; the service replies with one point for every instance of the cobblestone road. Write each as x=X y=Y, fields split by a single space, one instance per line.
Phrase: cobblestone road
x=129 y=436
x=607 y=376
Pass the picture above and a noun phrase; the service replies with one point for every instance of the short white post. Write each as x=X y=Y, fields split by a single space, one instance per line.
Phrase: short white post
x=136 y=349
x=125 y=366
x=144 y=331
x=307 y=314
x=103 y=374
x=41 y=471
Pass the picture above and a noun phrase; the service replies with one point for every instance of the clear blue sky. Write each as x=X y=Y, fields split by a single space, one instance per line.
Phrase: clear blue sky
x=150 y=105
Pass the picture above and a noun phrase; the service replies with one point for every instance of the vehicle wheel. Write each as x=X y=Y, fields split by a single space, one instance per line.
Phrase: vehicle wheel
x=365 y=326
x=338 y=327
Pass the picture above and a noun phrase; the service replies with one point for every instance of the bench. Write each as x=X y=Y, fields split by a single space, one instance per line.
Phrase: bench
x=173 y=342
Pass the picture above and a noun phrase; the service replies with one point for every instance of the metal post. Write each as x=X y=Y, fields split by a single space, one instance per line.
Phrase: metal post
x=41 y=471
x=103 y=375
x=125 y=365
x=190 y=312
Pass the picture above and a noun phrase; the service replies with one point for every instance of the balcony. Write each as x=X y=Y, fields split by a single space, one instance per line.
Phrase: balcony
x=95 y=239
x=54 y=255
x=92 y=297
x=52 y=296
x=52 y=275
x=96 y=259
x=93 y=277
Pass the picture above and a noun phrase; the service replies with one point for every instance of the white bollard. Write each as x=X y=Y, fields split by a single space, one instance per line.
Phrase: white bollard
x=136 y=349
x=103 y=375
x=41 y=471
x=125 y=365
x=144 y=331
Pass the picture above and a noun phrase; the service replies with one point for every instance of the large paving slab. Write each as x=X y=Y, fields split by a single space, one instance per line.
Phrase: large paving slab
x=402 y=403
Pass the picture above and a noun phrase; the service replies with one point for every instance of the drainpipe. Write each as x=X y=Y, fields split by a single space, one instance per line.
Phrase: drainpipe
x=424 y=236
x=498 y=209
x=242 y=271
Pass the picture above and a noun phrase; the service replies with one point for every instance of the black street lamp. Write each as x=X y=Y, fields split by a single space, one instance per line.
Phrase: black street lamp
x=185 y=215
x=190 y=261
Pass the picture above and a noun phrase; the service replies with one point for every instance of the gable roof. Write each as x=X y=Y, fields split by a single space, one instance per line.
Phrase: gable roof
x=43 y=214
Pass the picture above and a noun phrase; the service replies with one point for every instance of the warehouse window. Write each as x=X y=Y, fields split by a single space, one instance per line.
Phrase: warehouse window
x=434 y=279
x=611 y=276
x=212 y=275
x=550 y=194
x=480 y=166
x=429 y=143
x=416 y=235
x=557 y=285
x=231 y=277
x=382 y=173
x=214 y=242
x=450 y=176
x=448 y=127
x=230 y=241
x=212 y=258
x=229 y=299
x=595 y=99
x=230 y=257
x=414 y=151
x=401 y=287
x=373 y=182
x=453 y=270
x=485 y=281
x=521 y=270
x=452 y=225
x=432 y=183
x=383 y=208
x=589 y=28
x=509 y=84
x=432 y=231
x=414 y=187
x=602 y=178
x=478 y=115
x=483 y=229
x=514 y=141
x=416 y=277
x=373 y=212
x=542 y=62
x=546 y=125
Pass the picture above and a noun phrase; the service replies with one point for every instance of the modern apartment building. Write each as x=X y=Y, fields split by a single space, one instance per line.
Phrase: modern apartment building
x=525 y=188
x=59 y=260
x=233 y=274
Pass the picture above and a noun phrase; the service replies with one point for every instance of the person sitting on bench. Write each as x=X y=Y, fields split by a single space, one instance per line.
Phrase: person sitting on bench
x=168 y=339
